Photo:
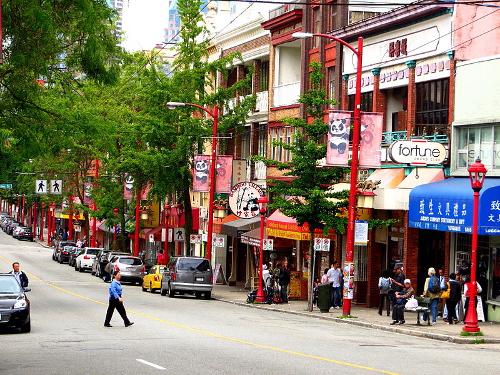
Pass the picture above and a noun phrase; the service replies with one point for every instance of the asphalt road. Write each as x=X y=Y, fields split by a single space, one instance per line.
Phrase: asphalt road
x=189 y=336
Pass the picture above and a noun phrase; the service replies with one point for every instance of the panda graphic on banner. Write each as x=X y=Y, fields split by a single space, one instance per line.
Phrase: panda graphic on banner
x=339 y=124
x=201 y=171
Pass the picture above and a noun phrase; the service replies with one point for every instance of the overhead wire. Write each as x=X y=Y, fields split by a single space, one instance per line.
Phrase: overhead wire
x=366 y=3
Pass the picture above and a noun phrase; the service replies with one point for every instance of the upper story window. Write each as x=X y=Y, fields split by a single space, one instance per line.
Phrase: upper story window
x=316 y=25
x=356 y=16
x=366 y=101
x=264 y=76
x=283 y=134
x=262 y=141
x=331 y=82
x=331 y=14
x=431 y=113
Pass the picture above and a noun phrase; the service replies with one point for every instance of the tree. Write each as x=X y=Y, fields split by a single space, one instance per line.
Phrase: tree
x=305 y=198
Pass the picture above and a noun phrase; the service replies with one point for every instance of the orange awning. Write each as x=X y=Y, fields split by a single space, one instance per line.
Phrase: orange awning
x=227 y=219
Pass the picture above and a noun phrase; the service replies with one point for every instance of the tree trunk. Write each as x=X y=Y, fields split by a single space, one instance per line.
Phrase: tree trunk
x=310 y=269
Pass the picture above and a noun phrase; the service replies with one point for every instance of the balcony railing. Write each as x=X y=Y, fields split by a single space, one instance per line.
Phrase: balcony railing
x=389 y=137
x=262 y=104
x=286 y=94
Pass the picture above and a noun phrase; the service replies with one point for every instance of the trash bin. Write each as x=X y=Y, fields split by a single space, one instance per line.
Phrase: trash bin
x=324 y=297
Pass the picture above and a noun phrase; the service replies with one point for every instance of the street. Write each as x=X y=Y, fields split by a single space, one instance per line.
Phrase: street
x=189 y=336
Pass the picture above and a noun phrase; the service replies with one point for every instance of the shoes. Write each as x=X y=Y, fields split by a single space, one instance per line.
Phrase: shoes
x=129 y=324
x=336 y=307
x=388 y=314
x=433 y=323
x=380 y=313
x=402 y=322
x=108 y=325
x=394 y=322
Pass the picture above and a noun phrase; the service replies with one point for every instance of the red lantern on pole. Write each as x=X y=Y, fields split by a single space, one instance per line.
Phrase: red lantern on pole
x=477 y=173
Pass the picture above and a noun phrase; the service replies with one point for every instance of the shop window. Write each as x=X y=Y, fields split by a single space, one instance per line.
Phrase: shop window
x=478 y=141
x=264 y=76
x=285 y=136
x=431 y=115
x=366 y=102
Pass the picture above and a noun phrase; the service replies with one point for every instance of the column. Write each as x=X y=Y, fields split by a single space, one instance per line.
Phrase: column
x=412 y=99
x=344 y=97
x=257 y=68
x=379 y=99
x=451 y=92
x=410 y=253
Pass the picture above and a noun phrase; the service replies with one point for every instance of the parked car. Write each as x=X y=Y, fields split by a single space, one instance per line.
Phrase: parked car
x=85 y=259
x=152 y=280
x=96 y=265
x=131 y=268
x=65 y=253
x=17 y=230
x=103 y=269
x=60 y=245
x=14 y=305
x=12 y=225
x=191 y=275
x=73 y=255
x=25 y=234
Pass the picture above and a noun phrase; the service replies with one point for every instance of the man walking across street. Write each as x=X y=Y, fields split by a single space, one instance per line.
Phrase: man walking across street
x=20 y=276
x=116 y=302
x=334 y=274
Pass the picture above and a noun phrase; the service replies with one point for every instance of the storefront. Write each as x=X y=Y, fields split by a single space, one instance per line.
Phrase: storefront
x=446 y=206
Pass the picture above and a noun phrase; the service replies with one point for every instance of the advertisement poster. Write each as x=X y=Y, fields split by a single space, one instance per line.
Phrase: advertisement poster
x=339 y=125
x=371 y=140
x=201 y=171
x=348 y=292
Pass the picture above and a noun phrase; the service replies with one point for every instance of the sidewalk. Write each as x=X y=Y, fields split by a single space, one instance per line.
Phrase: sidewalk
x=367 y=317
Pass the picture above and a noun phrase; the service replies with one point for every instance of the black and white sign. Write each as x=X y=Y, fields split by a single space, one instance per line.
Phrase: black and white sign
x=151 y=238
x=179 y=235
x=218 y=241
x=321 y=244
x=243 y=199
x=56 y=187
x=41 y=186
x=268 y=244
x=417 y=152
x=195 y=238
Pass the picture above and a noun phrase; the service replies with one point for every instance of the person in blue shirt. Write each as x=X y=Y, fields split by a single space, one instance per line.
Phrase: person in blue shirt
x=116 y=302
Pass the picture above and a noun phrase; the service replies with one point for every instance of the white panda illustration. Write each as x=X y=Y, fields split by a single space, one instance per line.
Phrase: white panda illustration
x=339 y=135
x=201 y=170
x=250 y=202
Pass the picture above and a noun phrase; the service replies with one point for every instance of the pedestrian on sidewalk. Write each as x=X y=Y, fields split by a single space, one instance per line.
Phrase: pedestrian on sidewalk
x=398 y=311
x=20 y=276
x=384 y=286
x=334 y=276
x=432 y=290
x=284 y=280
x=455 y=293
x=324 y=278
x=116 y=302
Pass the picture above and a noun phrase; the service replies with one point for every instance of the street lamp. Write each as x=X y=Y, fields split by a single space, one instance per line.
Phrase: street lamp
x=351 y=216
x=262 y=201
x=115 y=212
x=211 y=175
x=166 y=211
x=477 y=173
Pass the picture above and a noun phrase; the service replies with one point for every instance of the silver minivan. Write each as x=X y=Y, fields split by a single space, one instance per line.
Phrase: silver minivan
x=192 y=275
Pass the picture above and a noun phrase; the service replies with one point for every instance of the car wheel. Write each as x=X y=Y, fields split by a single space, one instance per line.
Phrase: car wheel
x=208 y=295
x=151 y=290
x=197 y=294
x=163 y=292
x=170 y=292
x=26 y=327
x=80 y=268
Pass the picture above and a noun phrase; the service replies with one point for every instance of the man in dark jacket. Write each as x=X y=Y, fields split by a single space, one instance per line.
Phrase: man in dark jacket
x=455 y=295
x=20 y=276
x=284 y=280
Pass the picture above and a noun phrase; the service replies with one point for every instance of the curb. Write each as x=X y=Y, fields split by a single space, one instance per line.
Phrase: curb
x=428 y=335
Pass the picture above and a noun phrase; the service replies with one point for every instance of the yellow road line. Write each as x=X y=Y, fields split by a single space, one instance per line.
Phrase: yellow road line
x=218 y=336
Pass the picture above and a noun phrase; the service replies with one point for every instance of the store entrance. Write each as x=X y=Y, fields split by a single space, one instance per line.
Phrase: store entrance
x=430 y=254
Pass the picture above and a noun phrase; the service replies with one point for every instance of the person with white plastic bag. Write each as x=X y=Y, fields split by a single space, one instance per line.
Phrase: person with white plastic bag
x=398 y=312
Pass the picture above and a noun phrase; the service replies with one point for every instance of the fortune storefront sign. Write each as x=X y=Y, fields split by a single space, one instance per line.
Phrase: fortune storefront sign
x=417 y=152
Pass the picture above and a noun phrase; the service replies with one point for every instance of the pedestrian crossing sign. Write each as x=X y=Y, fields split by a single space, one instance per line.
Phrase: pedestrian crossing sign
x=56 y=187
x=41 y=187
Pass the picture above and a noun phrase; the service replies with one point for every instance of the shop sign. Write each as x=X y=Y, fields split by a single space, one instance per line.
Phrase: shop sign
x=151 y=238
x=417 y=152
x=288 y=234
x=243 y=199
x=489 y=212
x=5 y=186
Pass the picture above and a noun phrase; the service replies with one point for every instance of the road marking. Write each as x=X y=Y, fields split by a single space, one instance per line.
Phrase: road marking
x=158 y=367
x=222 y=337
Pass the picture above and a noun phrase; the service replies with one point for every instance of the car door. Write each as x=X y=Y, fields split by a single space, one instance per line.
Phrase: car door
x=148 y=278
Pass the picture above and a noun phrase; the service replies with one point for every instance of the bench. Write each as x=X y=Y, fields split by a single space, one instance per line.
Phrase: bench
x=423 y=307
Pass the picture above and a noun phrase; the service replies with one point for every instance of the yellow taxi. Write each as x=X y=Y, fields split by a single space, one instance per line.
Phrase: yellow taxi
x=152 y=280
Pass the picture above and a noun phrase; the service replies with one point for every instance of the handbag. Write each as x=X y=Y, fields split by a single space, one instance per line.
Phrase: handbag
x=411 y=304
x=445 y=294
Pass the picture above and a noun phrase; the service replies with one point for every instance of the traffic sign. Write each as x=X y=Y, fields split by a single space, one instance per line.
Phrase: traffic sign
x=41 y=187
x=5 y=186
x=268 y=244
x=218 y=241
x=179 y=235
x=151 y=238
x=321 y=244
x=56 y=187
x=195 y=238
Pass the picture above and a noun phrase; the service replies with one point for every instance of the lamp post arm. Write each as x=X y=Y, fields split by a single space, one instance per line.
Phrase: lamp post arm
x=343 y=42
x=211 y=114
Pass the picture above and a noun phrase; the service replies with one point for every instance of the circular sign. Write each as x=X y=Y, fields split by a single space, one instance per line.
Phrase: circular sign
x=417 y=152
x=243 y=199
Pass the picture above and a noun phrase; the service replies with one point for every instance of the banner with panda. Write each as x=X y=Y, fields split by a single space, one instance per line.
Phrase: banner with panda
x=339 y=125
x=224 y=173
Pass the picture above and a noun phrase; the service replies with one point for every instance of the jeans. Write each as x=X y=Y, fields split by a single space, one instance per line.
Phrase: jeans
x=335 y=299
x=284 y=293
x=433 y=306
x=116 y=304
x=384 y=297
x=451 y=307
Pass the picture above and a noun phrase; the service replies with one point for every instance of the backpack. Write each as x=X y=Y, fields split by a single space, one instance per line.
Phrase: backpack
x=434 y=286
x=385 y=285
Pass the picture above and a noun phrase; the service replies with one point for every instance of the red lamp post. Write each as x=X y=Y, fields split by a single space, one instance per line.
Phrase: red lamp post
x=35 y=217
x=211 y=175
x=166 y=213
x=42 y=221
x=351 y=213
x=477 y=173
x=115 y=212
x=137 y=221
x=261 y=298
x=70 y=220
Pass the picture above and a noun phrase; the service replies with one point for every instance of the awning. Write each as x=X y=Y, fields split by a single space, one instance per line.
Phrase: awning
x=218 y=223
x=237 y=227
x=447 y=206
x=252 y=237
x=388 y=177
x=145 y=233
x=395 y=195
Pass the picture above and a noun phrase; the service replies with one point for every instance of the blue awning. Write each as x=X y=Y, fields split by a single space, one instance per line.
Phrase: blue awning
x=447 y=206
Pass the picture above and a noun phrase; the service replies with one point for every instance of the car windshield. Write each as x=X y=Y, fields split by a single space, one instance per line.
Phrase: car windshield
x=130 y=261
x=92 y=251
x=9 y=285
x=187 y=264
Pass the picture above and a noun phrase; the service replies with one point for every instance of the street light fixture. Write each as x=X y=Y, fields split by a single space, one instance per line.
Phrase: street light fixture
x=477 y=173
x=211 y=176
x=351 y=217
x=262 y=201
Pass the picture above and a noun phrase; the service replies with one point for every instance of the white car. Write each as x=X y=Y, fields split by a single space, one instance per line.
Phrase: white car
x=86 y=258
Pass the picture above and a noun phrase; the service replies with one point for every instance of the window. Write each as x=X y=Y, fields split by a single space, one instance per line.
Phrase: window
x=356 y=16
x=331 y=82
x=192 y=264
x=316 y=25
x=285 y=136
x=331 y=11
x=262 y=142
x=474 y=141
x=431 y=115
x=366 y=101
x=130 y=261
x=246 y=90
x=245 y=144
x=264 y=76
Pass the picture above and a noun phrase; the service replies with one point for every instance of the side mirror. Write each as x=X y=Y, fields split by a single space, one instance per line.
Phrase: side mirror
x=27 y=289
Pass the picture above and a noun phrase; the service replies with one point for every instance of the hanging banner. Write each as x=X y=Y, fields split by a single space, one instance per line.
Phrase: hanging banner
x=128 y=189
x=87 y=194
x=339 y=124
x=224 y=173
x=371 y=139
